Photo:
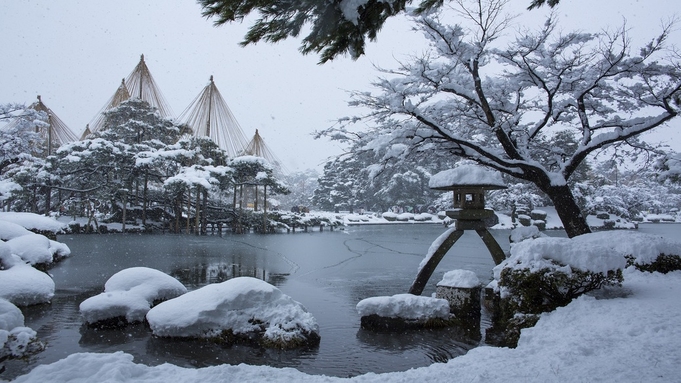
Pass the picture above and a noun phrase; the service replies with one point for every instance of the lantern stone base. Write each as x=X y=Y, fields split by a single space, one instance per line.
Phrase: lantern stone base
x=464 y=303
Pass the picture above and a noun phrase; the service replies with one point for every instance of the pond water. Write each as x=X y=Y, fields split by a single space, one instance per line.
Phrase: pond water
x=328 y=272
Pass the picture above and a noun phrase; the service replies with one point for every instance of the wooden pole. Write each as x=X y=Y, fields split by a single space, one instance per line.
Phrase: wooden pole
x=197 y=221
x=264 y=209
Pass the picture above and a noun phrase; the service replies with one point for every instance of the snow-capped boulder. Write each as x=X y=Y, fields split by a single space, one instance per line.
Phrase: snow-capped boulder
x=128 y=295
x=403 y=311
x=32 y=221
x=32 y=248
x=20 y=283
x=16 y=340
x=9 y=230
x=35 y=249
x=242 y=307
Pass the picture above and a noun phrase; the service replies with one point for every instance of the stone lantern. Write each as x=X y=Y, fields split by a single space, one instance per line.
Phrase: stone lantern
x=468 y=184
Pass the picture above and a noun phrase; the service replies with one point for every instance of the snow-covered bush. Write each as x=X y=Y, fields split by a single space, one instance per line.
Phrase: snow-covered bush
x=664 y=264
x=545 y=273
x=653 y=254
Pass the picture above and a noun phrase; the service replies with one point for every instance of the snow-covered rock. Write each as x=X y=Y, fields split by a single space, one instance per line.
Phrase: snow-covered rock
x=460 y=278
x=37 y=249
x=9 y=230
x=32 y=248
x=522 y=233
x=241 y=307
x=130 y=294
x=404 y=306
x=33 y=221
x=20 y=283
x=16 y=340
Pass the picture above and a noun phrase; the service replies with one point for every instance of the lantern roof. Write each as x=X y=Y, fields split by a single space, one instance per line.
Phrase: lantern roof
x=467 y=176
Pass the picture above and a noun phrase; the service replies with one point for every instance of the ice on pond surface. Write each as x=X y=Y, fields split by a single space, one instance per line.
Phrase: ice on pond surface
x=130 y=294
x=240 y=306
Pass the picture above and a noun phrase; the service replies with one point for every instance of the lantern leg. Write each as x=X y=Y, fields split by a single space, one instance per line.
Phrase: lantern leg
x=492 y=245
x=427 y=270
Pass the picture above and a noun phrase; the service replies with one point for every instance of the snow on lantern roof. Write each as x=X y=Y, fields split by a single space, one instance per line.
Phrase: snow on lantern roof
x=467 y=176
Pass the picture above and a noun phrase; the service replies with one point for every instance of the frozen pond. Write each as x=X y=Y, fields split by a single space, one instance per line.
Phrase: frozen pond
x=328 y=272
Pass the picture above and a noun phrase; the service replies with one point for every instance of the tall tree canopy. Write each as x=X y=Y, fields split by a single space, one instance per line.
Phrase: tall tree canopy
x=501 y=106
x=336 y=26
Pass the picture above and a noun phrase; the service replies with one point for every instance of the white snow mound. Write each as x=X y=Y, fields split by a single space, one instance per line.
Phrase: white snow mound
x=404 y=306
x=24 y=285
x=237 y=305
x=34 y=221
x=130 y=293
x=14 y=337
x=595 y=252
x=460 y=278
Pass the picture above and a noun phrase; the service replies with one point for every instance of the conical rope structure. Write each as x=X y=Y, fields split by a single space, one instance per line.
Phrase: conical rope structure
x=209 y=116
x=58 y=133
x=257 y=147
x=139 y=84
x=97 y=123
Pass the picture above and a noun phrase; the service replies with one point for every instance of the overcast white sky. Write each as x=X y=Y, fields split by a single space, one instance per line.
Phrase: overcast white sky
x=74 y=53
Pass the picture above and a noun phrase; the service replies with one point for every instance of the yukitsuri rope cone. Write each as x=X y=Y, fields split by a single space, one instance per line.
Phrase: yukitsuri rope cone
x=209 y=116
x=139 y=84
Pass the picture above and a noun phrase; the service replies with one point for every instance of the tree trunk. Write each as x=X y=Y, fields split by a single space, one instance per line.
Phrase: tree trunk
x=568 y=211
x=255 y=203
x=125 y=207
x=204 y=216
x=145 y=192
x=264 y=209
x=48 y=200
x=197 y=211
x=189 y=206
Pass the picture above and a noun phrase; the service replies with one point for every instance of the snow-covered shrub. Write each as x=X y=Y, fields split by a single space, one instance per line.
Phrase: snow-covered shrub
x=664 y=264
x=546 y=273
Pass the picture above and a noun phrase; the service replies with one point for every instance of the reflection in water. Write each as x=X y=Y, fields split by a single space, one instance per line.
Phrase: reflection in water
x=203 y=353
x=93 y=338
x=195 y=276
x=440 y=344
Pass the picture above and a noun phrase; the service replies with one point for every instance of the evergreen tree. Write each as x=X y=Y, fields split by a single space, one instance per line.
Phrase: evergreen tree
x=335 y=27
